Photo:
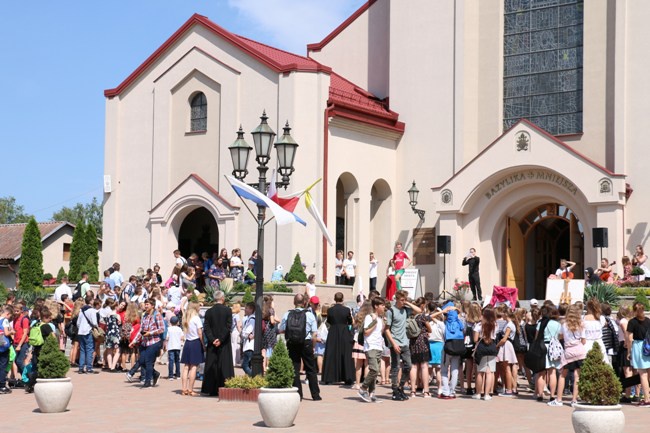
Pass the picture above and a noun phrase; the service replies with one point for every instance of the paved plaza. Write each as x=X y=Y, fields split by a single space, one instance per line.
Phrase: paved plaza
x=107 y=403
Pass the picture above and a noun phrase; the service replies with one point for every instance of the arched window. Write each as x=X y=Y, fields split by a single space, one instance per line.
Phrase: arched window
x=199 y=113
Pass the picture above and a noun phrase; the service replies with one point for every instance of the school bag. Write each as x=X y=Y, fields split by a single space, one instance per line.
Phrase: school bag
x=412 y=328
x=35 y=334
x=77 y=291
x=535 y=358
x=555 y=349
x=4 y=340
x=519 y=343
x=610 y=336
x=71 y=329
x=296 y=328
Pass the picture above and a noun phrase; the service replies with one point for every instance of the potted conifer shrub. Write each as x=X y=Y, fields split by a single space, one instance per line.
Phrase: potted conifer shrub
x=600 y=391
x=279 y=400
x=53 y=389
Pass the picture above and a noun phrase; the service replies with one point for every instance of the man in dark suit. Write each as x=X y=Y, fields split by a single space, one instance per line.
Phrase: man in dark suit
x=338 y=365
x=218 y=360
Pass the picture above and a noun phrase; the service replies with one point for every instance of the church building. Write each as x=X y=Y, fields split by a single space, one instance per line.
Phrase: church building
x=520 y=122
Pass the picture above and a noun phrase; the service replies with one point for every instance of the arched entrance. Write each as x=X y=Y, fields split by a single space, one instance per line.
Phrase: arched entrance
x=380 y=224
x=347 y=196
x=535 y=244
x=198 y=233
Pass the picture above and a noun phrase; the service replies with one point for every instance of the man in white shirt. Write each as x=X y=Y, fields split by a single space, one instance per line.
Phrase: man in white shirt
x=180 y=260
x=350 y=266
x=373 y=345
x=63 y=289
x=117 y=278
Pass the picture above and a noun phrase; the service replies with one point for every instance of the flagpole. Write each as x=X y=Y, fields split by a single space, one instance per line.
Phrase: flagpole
x=257 y=362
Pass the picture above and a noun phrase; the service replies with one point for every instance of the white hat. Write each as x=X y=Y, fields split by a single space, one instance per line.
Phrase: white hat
x=278 y=268
x=534 y=302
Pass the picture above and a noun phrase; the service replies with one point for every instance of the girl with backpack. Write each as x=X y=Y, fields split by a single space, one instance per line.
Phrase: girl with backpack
x=358 y=353
x=548 y=376
x=573 y=334
x=506 y=358
x=454 y=348
x=420 y=352
x=520 y=343
x=639 y=340
x=485 y=353
x=436 y=343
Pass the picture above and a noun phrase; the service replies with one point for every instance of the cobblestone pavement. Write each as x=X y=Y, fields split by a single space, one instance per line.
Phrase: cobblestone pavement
x=107 y=403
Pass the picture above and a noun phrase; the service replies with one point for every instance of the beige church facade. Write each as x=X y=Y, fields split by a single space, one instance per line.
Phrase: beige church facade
x=522 y=123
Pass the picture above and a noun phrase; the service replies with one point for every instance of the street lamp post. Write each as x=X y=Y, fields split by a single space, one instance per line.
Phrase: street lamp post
x=413 y=201
x=286 y=148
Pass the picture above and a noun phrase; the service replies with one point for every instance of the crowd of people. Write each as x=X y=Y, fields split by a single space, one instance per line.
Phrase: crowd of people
x=419 y=347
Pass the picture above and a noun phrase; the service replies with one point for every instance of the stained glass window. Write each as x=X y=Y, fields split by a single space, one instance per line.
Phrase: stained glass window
x=542 y=72
x=199 y=113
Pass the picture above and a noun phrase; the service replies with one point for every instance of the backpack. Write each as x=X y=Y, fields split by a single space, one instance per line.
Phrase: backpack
x=555 y=349
x=519 y=343
x=71 y=329
x=125 y=332
x=77 y=291
x=4 y=340
x=535 y=358
x=35 y=334
x=296 y=329
x=610 y=337
x=412 y=328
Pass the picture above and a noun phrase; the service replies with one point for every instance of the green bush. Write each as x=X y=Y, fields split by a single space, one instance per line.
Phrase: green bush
x=296 y=273
x=77 y=251
x=47 y=276
x=246 y=382
x=641 y=297
x=637 y=271
x=3 y=293
x=31 y=258
x=598 y=383
x=60 y=275
x=52 y=363
x=280 y=372
x=603 y=292
x=30 y=296
x=92 y=253
x=277 y=287
x=248 y=296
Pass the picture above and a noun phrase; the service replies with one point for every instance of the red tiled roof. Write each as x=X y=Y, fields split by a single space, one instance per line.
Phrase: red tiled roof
x=345 y=98
x=348 y=100
x=278 y=60
x=11 y=237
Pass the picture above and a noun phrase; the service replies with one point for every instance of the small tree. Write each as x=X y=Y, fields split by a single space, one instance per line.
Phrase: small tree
x=31 y=258
x=77 y=251
x=60 y=275
x=280 y=372
x=598 y=383
x=52 y=363
x=92 y=253
x=296 y=273
x=248 y=296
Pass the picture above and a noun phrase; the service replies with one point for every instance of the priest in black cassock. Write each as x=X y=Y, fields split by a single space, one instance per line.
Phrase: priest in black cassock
x=338 y=365
x=218 y=359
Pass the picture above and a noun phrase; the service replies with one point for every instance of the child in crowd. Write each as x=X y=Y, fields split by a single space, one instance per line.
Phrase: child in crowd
x=321 y=339
x=174 y=342
x=436 y=343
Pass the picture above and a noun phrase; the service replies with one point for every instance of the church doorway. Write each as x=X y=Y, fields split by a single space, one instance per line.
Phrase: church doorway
x=535 y=244
x=198 y=233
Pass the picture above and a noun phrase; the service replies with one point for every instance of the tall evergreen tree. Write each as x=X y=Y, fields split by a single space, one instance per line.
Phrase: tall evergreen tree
x=31 y=258
x=92 y=253
x=77 y=251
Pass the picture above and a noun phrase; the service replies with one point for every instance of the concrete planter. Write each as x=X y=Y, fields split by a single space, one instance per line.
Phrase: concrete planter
x=278 y=406
x=238 y=394
x=598 y=419
x=53 y=395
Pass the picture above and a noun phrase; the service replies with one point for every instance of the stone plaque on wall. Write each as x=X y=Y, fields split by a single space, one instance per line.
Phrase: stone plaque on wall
x=424 y=246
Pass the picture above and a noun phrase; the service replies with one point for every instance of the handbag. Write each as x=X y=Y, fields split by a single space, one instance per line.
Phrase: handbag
x=97 y=332
x=455 y=347
x=484 y=349
x=535 y=358
x=71 y=329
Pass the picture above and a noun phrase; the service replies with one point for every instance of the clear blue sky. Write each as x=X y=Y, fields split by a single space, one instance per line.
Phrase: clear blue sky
x=57 y=57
